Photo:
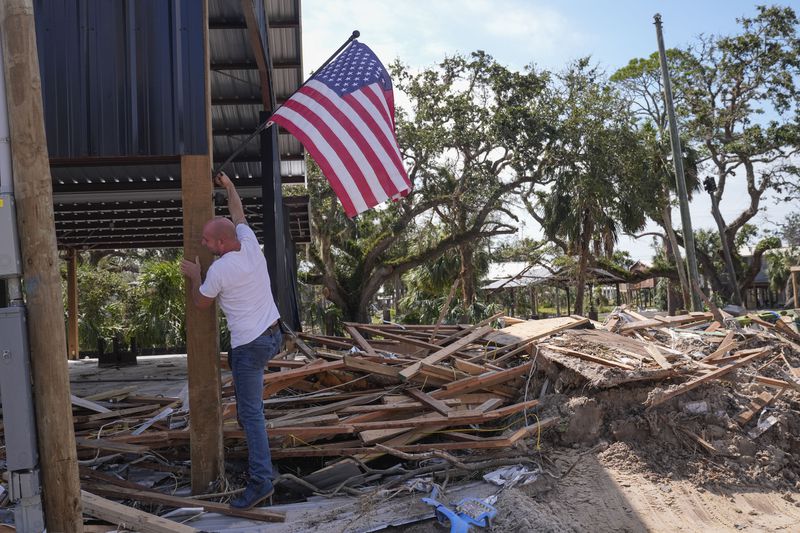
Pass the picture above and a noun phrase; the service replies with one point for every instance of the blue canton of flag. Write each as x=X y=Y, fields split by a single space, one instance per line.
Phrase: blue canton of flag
x=355 y=68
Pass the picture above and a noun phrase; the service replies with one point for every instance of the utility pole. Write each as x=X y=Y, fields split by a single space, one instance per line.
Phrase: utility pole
x=44 y=309
x=677 y=160
x=711 y=187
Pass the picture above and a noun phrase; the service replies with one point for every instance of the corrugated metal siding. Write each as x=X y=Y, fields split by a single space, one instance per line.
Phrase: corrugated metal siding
x=122 y=77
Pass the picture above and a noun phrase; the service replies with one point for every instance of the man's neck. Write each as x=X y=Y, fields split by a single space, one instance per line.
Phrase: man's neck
x=235 y=247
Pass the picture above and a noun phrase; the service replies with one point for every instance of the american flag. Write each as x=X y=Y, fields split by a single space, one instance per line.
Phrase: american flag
x=344 y=116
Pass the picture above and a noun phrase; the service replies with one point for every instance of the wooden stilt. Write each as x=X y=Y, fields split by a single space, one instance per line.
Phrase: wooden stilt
x=61 y=492
x=202 y=342
x=73 y=346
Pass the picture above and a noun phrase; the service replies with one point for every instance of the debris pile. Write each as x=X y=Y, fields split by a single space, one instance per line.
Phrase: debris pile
x=395 y=407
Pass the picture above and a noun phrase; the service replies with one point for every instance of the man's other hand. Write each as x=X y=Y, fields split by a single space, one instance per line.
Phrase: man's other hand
x=191 y=269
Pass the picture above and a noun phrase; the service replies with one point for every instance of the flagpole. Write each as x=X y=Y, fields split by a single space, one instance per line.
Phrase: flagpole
x=266 y=124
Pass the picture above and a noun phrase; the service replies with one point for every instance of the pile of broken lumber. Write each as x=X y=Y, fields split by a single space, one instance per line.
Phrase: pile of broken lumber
x=459 y=394
x=456 y=387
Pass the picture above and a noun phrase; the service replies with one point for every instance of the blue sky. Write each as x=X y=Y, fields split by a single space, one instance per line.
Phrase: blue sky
x=548 y=33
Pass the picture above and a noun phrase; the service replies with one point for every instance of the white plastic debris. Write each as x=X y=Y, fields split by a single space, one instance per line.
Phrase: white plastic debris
x=763 y=425
x=509 y=476
x=696 y=408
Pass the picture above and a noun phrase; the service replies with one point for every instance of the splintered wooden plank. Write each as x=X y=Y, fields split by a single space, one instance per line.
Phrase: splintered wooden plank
x=469 y=368
x=466 y=330
x=641 y=324
x=726 y=344
x=787 y=330
x=793 y=369
x=525 y=347
x=150 y=496
x=440 y=372
x=395 y=336
x=276 y=381
x=779 y=383
x=707 y=377
x=755 y=407
x=388 y=409
x=88 y=404
x=360 y=340
x=307 y=370
x=329 y=408
x=657 y=356
x=474 y=383
x=402 y=443
x=128 y=517
x=111 y=446
x=370 y=367
x=455 y=418
x=446 y=352
x=735 y=355
x=115 y=414
x=534 y=329
x=319 y=420
x=589 y=357
x=437 y=405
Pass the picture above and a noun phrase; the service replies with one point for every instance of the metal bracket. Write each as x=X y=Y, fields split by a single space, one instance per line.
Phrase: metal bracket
x=23 y=484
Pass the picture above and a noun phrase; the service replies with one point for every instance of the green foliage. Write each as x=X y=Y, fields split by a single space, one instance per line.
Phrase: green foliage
x=102 y=305
x=427 y=311
x=523 y=249
x=157 y=304
x=130 y=295
x=778 y=265
x=602 y=180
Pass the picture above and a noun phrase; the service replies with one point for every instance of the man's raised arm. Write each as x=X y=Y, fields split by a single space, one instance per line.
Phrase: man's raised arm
x=235 y=208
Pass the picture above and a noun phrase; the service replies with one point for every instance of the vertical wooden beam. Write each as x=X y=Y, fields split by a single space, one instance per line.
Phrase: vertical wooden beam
x=73 y=346
x=202 y=342
x=795 y=285
x=47 y=336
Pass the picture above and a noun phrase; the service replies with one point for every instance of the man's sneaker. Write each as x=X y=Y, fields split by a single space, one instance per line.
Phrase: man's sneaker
x=253 y=495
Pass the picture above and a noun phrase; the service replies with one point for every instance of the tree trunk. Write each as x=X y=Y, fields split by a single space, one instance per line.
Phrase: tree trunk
x=466 y=253
x=673 y=297
x=733 y=284
x=583 y=262
x=675 y=251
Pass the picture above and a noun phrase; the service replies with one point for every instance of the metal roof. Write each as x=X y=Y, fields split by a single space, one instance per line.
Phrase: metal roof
x=119 y=114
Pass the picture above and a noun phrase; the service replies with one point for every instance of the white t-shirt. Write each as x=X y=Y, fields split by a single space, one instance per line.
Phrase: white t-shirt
x=240 y=282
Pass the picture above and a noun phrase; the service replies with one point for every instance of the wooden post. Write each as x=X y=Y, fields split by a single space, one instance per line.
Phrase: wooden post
x=73 y=346
x=795 y=270
x=202 y=340
x=33 y=188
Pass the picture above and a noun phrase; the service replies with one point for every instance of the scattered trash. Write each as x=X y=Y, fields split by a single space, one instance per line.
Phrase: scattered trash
x=510 y=476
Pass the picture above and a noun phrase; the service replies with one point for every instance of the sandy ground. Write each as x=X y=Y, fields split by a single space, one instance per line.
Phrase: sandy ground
x=597 y=498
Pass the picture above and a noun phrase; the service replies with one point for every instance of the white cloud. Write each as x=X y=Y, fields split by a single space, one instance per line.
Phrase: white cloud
x=420 y=33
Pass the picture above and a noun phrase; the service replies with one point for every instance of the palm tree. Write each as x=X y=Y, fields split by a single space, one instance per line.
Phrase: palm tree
x=602 y=180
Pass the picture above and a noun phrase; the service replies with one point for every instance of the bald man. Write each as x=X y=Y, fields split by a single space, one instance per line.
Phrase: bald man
x=239 y=281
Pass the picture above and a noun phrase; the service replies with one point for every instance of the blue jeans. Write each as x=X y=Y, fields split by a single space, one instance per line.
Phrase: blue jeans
x=247 y=364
